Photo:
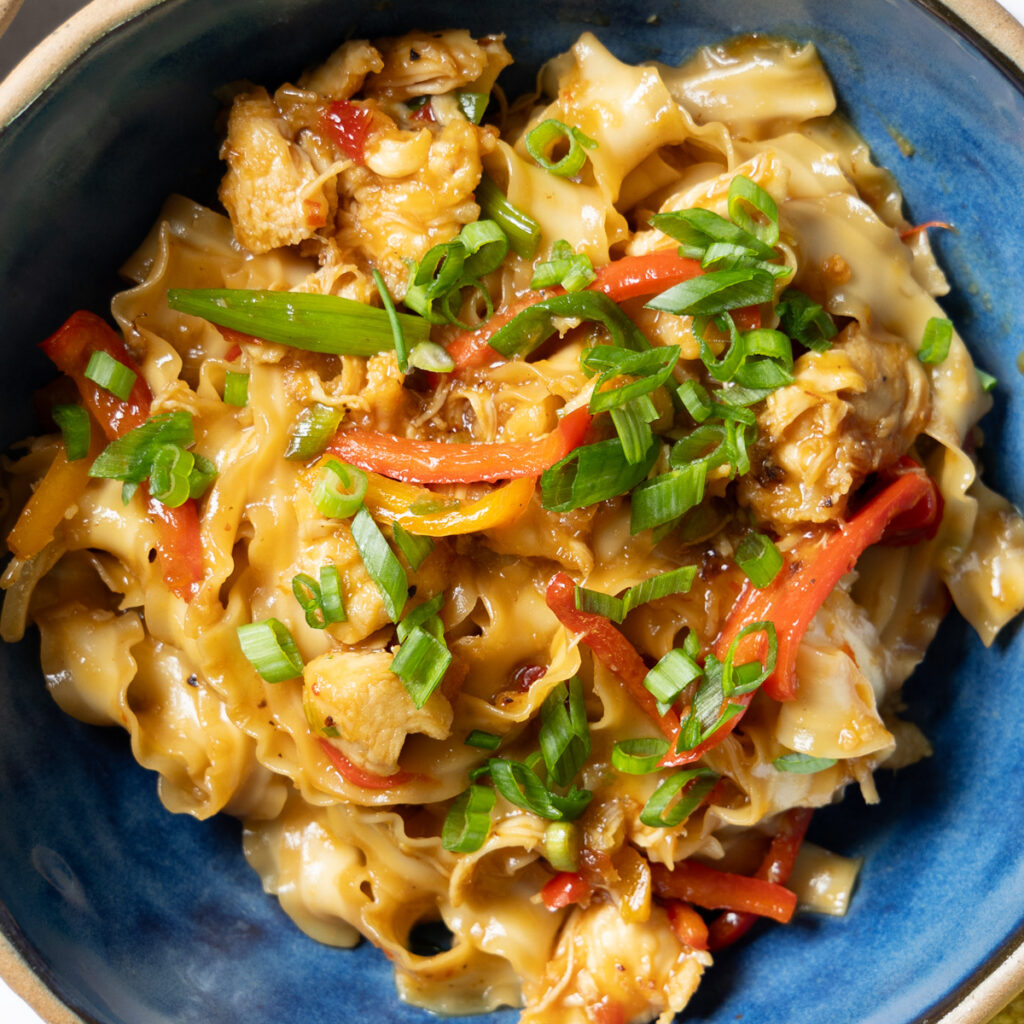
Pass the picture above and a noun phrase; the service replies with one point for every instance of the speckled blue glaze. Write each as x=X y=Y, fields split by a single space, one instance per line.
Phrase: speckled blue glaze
x=134 y=916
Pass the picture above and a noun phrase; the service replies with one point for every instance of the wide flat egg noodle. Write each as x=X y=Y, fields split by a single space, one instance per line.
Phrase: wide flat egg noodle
x=348 y=860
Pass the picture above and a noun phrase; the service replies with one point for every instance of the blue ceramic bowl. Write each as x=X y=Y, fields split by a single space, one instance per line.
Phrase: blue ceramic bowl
x=133 y=916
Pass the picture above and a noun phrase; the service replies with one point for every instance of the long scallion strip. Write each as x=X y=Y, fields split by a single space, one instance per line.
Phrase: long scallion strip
x=468 y=821
x=660 y=812
x=674 y=581
x=397 y=334
x=802 y=764
x=716 y=292
x=106 y=372
x=522 y=230
x=381 y=563
x=271 y=649
x=75 y=429
x=697 y=230
x=169 y=473
x=305 y=320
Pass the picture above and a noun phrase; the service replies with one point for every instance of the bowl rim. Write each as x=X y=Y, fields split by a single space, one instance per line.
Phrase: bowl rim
x=984 y=23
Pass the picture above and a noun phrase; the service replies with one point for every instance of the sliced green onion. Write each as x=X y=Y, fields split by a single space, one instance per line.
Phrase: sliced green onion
x=204 y=472
x=652 y=367
x=433 y=358
x=632 y=423
x=468 y=821
x=416 y=549
x=129 y=457
x=320 y=601
x=518 y=783
x=716 y=292
x=422 y=615
x=421 y=663
x=805 y=321
x=742 y=679
x=698 y=230
x=753 y=209
x=562 y=845
x=169 y=474
x=106 y=372
x=271 y=649
x=802 y=764
x=986 y=380
x=535 y=324
x=397 y=336
x=381 y=564
x=75 y=429
x=482 y=740
x=639 y=756
x=304 y=320
x=331 y=600
x=236 y=389
x=674 y=581
x=522 y=230
x=566 y=268
x=313 y=428
x=670 y=676
x=564 y=734
x=548 y=135
x=696 y=400
x=759 y=559
x=486 y=246
x=659 y=811
x=592 y=473
x=938 y=335
x=667 y=496
x=339 y=490
x=473 y=104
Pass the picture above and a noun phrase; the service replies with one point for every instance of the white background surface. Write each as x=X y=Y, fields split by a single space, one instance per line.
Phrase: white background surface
x=33 y=21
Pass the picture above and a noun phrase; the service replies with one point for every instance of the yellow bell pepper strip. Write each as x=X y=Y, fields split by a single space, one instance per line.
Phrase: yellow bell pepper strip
x=178 y=545
x=400 y=502
x=442 y=462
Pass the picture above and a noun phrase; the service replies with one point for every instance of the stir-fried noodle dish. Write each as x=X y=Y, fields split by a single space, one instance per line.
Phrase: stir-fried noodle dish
x=521 y=515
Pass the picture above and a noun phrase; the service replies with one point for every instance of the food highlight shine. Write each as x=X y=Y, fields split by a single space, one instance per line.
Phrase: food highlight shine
x=521 y=517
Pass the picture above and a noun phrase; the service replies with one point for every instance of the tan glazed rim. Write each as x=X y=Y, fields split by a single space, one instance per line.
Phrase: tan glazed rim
x=994 y=30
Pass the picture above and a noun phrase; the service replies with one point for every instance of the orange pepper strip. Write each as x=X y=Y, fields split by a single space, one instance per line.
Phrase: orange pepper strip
x=179 y=546
x=610 y=646
x=621 y=279
x=441 y=462
x=62 y=486
x=712 y=889
x=394 y=500
x=690 y=928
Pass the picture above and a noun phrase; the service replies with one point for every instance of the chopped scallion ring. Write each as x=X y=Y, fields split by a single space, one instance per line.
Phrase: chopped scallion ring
x=667 y=496
x=313 y=428
x=482 y=740
x=473 y=104
x=236 y=388
x=552 y=134
x=802 y=764
x=320 y=601
x=674 y=581
x=381 y=564
x=659 y=811
x=639 y=756
x=468 y=821
x=759 y=559
x=433 y=358
x=564 y=734
x=522 y=230
x=75 y=429
x=670 y=676
x=339 y=490
x=938 y=335
x=421 y=663
x=518 y=782
x=753 y=209
x=106 y=372
x=416 y=549
x=562 y=845
x=271 y=649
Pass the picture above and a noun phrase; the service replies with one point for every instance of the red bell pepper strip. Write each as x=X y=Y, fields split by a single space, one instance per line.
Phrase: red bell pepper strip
x=179 y=546
x=439 y=462
x=349 y=126
x=359 y=776
x=812 y=570
x=776 y=867
x=610 y=647
x=712 y=889
x=565 y=888
x=621 y=279
x=691 y=929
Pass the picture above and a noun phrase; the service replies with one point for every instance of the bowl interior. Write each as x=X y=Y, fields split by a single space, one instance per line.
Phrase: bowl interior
x=134 y=916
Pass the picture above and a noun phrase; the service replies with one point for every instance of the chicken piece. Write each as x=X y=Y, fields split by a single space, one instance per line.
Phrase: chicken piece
x=353 y=698
x=603 y=966
x=850 y=411
x=432 y=63
x=343 y=73
x=274 y=190
x=414 y=191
